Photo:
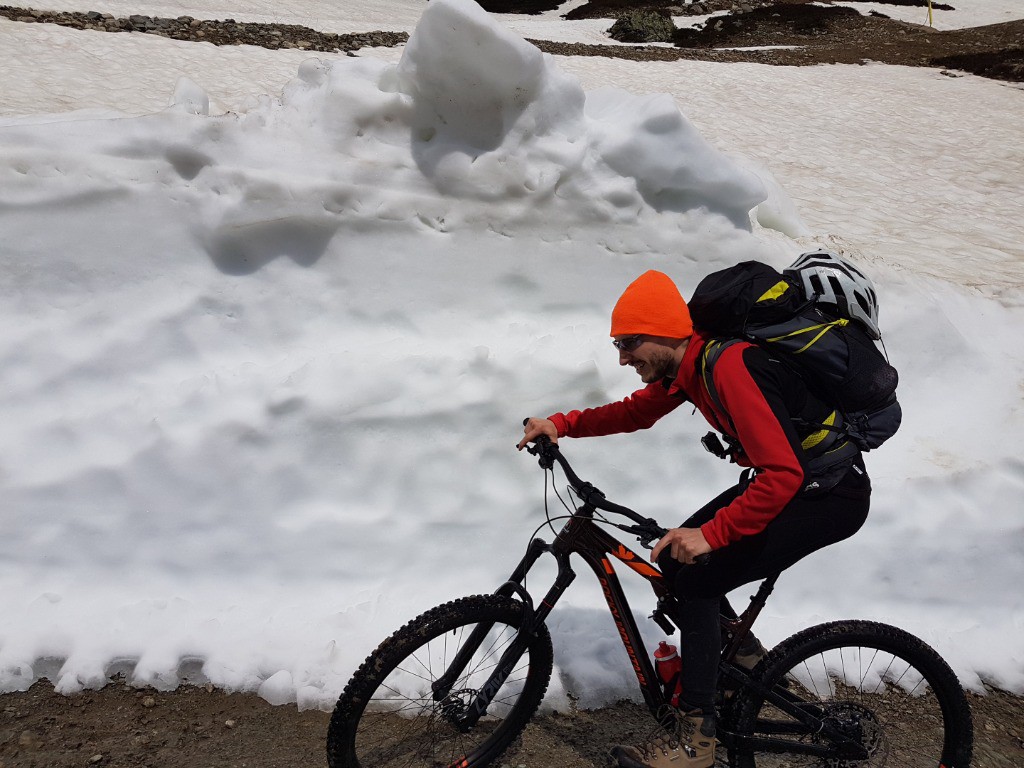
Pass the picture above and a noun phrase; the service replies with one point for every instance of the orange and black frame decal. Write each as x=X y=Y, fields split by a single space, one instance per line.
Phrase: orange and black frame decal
x=632 y=560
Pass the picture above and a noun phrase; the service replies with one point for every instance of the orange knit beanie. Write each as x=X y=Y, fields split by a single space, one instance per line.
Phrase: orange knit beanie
x=652 y=305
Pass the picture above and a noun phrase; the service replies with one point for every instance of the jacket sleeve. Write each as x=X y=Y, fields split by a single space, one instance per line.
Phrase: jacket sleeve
x=638 y=411
x=750 y=387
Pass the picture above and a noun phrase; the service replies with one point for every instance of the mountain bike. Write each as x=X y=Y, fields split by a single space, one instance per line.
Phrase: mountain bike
x=455 y=686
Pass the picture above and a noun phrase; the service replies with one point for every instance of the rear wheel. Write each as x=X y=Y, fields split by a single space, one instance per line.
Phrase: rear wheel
x=876 y=695
x=389 y=715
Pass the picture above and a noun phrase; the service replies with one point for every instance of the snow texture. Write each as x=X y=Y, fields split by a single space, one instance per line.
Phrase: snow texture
x=266 y=356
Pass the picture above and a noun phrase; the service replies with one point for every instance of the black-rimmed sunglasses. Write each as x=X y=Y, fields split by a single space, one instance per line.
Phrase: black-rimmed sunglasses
x=628 y=343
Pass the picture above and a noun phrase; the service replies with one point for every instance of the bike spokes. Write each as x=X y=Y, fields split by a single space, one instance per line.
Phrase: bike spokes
x=408 y=722
x=851 y=706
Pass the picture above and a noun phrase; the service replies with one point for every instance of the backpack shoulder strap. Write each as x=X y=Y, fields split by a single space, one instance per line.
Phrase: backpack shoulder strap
x=713 y=349
x=825 y=444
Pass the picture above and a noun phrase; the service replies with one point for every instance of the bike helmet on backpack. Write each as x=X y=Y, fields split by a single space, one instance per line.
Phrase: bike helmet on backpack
x=830 y=279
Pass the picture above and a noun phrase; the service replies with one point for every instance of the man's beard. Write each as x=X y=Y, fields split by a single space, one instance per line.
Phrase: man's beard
x=658 y=366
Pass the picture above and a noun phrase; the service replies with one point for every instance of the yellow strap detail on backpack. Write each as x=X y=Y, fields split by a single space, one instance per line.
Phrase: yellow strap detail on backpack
x=774 y=292
x=711 y=344
x=815 y=438
x=822 y=329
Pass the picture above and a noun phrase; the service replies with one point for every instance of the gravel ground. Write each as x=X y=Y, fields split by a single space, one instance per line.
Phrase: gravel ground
x=196 y=727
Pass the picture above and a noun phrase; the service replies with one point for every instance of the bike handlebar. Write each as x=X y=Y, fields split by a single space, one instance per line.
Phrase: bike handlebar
x=548 y=454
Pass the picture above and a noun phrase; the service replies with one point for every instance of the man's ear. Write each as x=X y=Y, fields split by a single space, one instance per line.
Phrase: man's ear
x=672 y=343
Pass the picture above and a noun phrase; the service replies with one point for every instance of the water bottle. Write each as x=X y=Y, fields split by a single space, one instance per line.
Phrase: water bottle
x=669 y=667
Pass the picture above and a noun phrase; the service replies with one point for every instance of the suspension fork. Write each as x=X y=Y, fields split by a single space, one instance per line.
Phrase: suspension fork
x=533 y=618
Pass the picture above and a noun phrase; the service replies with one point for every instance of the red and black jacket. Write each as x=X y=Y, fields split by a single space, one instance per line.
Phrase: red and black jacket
x=759 y=399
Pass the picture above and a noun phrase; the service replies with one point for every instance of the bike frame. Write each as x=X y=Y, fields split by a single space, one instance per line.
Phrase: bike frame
x=579 y=535
x=583 y=537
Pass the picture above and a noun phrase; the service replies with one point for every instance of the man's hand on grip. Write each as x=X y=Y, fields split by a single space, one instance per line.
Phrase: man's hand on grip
x=684 y=544
x=534 y=428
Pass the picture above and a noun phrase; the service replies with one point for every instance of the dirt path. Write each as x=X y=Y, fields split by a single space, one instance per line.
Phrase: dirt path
x=207 y=728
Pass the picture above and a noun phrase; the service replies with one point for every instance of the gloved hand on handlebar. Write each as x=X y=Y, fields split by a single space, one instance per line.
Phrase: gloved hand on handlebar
x=534 y=428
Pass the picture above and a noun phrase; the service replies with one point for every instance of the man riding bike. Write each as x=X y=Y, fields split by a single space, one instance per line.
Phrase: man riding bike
x=779 y=512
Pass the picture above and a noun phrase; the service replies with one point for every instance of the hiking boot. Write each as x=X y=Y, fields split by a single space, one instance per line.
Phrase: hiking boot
x=745 y=658
x=689 y=744
x=748 y=658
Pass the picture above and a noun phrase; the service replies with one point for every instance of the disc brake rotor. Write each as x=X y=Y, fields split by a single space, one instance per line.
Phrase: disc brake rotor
x=454 y=706
x=859 y=724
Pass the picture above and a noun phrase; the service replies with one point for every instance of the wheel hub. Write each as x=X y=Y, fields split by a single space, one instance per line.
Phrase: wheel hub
x=860 y=725
x=454 y=706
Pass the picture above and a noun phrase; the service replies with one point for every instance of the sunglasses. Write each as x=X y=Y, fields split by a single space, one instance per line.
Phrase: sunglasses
x=628 y=343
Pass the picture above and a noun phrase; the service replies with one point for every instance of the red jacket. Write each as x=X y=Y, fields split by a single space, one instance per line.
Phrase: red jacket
x=759 y=398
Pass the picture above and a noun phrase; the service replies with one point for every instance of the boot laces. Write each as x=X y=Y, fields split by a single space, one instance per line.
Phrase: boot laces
x=665 y=739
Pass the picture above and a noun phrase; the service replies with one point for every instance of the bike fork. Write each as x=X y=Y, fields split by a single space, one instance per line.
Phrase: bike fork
x=532 y=619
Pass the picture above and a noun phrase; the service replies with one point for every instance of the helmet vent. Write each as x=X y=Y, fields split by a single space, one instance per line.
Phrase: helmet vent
x=831 y=280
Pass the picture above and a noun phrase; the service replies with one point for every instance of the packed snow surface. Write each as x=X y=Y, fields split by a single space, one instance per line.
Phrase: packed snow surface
x=265 y=368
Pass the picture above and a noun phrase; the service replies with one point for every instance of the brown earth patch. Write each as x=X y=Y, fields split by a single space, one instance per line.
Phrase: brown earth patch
x=750 y=31
x=824 y=34
x=124 y=727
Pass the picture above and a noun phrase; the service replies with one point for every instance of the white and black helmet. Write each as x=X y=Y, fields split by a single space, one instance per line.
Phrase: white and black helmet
x=833 y=280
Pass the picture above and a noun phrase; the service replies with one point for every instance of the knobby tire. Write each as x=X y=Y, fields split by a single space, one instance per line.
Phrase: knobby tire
x=387 y=717
x=883 y=688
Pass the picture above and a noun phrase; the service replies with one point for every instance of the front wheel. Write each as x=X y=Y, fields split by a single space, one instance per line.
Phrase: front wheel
x=392 y=714
x=853 y=694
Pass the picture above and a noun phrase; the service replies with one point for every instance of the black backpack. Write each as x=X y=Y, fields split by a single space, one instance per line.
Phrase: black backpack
x=834 y=355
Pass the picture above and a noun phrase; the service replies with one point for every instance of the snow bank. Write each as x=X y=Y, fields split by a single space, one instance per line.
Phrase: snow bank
x=265 y=371
x=244 y=349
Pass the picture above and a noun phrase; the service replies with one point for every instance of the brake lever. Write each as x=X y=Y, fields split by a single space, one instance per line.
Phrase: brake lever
x=646 y=532
x=541 y=448
x=646 y=541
